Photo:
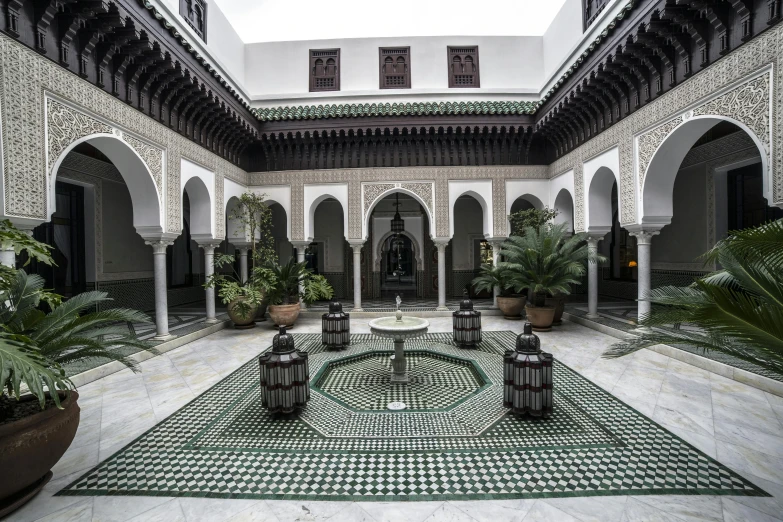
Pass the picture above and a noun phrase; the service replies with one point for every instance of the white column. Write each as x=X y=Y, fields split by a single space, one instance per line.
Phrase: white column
x=357 y=275
x=7 y=255
x=496 y=243
x=300 y=257
x=592 y=278
x=441 y=244
x=243 y=263
x=209 y=269
x=643 y=245
x=161 y=288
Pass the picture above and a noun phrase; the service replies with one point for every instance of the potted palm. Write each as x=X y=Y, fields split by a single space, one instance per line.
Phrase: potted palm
x=737 y=310
x=494 y=276
x=281 y=285
x=547 y=262
x=37 y=427
x=242 y=299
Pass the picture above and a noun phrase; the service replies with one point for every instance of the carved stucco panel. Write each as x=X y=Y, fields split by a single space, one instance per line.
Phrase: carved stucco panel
x=152 y=156
x=373 y=192
x=499 y=206
x=650 y=141
x=579 y=196
x=297 y=212
x=66 y=125
x=354 y=209
x=173 y=200
x=220 y=211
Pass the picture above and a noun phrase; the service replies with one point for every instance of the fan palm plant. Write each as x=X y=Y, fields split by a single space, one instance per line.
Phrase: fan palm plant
x=547 y=261
x=493 y=276
x=737 y=310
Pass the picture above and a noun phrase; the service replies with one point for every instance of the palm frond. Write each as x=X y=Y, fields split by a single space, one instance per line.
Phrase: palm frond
x=21 y=363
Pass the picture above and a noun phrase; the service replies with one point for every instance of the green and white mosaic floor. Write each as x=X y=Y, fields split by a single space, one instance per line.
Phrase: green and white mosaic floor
x=459 y=442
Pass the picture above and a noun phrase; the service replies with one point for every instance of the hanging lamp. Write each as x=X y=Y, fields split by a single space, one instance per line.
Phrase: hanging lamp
x=397 y=224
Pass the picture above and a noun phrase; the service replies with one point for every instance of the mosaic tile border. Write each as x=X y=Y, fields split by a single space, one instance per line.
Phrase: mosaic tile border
x=644 y=459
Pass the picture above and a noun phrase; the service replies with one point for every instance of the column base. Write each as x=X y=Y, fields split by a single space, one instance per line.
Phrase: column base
x=167 y=337
x=442 y=309
x=592 y=316
x=211 y=321
x=357 y=309
x=642 y=330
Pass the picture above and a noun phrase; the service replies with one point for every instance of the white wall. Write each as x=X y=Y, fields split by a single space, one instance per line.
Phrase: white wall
x=278 y=71
x=224 y=46
x=562 y=36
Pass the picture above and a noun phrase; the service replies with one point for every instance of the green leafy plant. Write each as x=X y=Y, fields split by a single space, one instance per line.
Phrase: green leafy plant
x=737 y=310
x=282 y=283
x=547 y=261
x=532 y=217
x=493 y=276
x=246 y=296
x=255 y=217
x=35 y=345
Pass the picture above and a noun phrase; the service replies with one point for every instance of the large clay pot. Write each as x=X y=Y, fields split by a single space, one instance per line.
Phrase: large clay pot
x=558 y=303
x=512 y=307
x=540 y=317
x=240 y=320
x=31 y=446
x=284 y=315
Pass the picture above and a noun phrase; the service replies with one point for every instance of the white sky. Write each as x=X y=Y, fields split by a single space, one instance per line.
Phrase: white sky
x=282 y=20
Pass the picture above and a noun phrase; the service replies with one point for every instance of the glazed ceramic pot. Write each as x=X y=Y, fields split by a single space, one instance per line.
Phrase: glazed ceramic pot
x=540 y=317
x=558 y=303
x=512 y=307
x=284 y=315
x=31 y=446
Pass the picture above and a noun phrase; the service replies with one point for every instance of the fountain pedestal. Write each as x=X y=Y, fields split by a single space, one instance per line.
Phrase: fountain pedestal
x=399 y=329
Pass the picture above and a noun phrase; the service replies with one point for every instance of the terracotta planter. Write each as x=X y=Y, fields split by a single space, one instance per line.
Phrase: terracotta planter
x=30 y=447
x=240 y=320
x=284 y=315
x=558 y=303
x=512 y=307
x=540 y=317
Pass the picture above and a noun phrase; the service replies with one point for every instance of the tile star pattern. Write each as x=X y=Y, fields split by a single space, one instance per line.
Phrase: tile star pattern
x=224 y=445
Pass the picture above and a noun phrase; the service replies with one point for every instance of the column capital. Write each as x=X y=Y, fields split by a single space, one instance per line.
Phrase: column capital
x=497 y=240
x=208 y=245
x=159 y=245
x=356 y=245
x=643 y=234
x=300 y=244
x=441 y=242
x=243 y=250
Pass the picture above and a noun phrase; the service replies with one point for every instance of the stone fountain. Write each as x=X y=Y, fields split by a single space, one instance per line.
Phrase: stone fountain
x=399 y=329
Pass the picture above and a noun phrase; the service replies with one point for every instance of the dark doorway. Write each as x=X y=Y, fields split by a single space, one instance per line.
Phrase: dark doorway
x=179 y=256
x=65 y=233
x=398 y=271
x=747 y=205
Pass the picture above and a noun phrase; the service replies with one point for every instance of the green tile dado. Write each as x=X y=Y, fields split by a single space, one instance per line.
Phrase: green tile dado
x=456 y=445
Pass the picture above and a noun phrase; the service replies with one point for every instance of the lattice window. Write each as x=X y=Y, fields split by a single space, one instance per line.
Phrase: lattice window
x=324 y=70
x=195 y=14
x=395 y=64
x=463 y=67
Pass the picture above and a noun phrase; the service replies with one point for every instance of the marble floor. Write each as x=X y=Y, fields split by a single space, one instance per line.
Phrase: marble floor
x=738 y=425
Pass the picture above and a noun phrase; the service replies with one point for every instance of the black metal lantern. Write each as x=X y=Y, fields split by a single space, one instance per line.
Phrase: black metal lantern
x=336 y=327
x=527 y=377
x=467 y=323
x=285 y=376
x=397 y=224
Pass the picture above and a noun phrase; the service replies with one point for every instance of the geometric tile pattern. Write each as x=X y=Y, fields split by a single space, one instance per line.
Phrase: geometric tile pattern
x=363 y=382
x=223 y=444
x=408 y=305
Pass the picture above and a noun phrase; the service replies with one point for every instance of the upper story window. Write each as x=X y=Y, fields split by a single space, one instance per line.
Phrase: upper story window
x=395 y=67
x=591 y=10
x=463 y=66
x=324 y=70
x=195 y=14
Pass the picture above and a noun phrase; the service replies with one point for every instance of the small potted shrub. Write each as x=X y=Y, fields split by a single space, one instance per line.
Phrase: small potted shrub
x=547 y=262
x=494 y=276
x=281 y=282
x=38 y=427
x=242 y=300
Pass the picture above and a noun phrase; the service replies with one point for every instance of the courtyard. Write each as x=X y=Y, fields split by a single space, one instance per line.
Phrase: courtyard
x=183 y=440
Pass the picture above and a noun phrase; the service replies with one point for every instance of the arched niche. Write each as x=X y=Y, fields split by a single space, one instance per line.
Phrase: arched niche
x=599 y=200
x=564 y=204
x=147 y=218
x=200 y=209
x=657 y=197
x=479 y=190
x=368 y=216
x=417 y=249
